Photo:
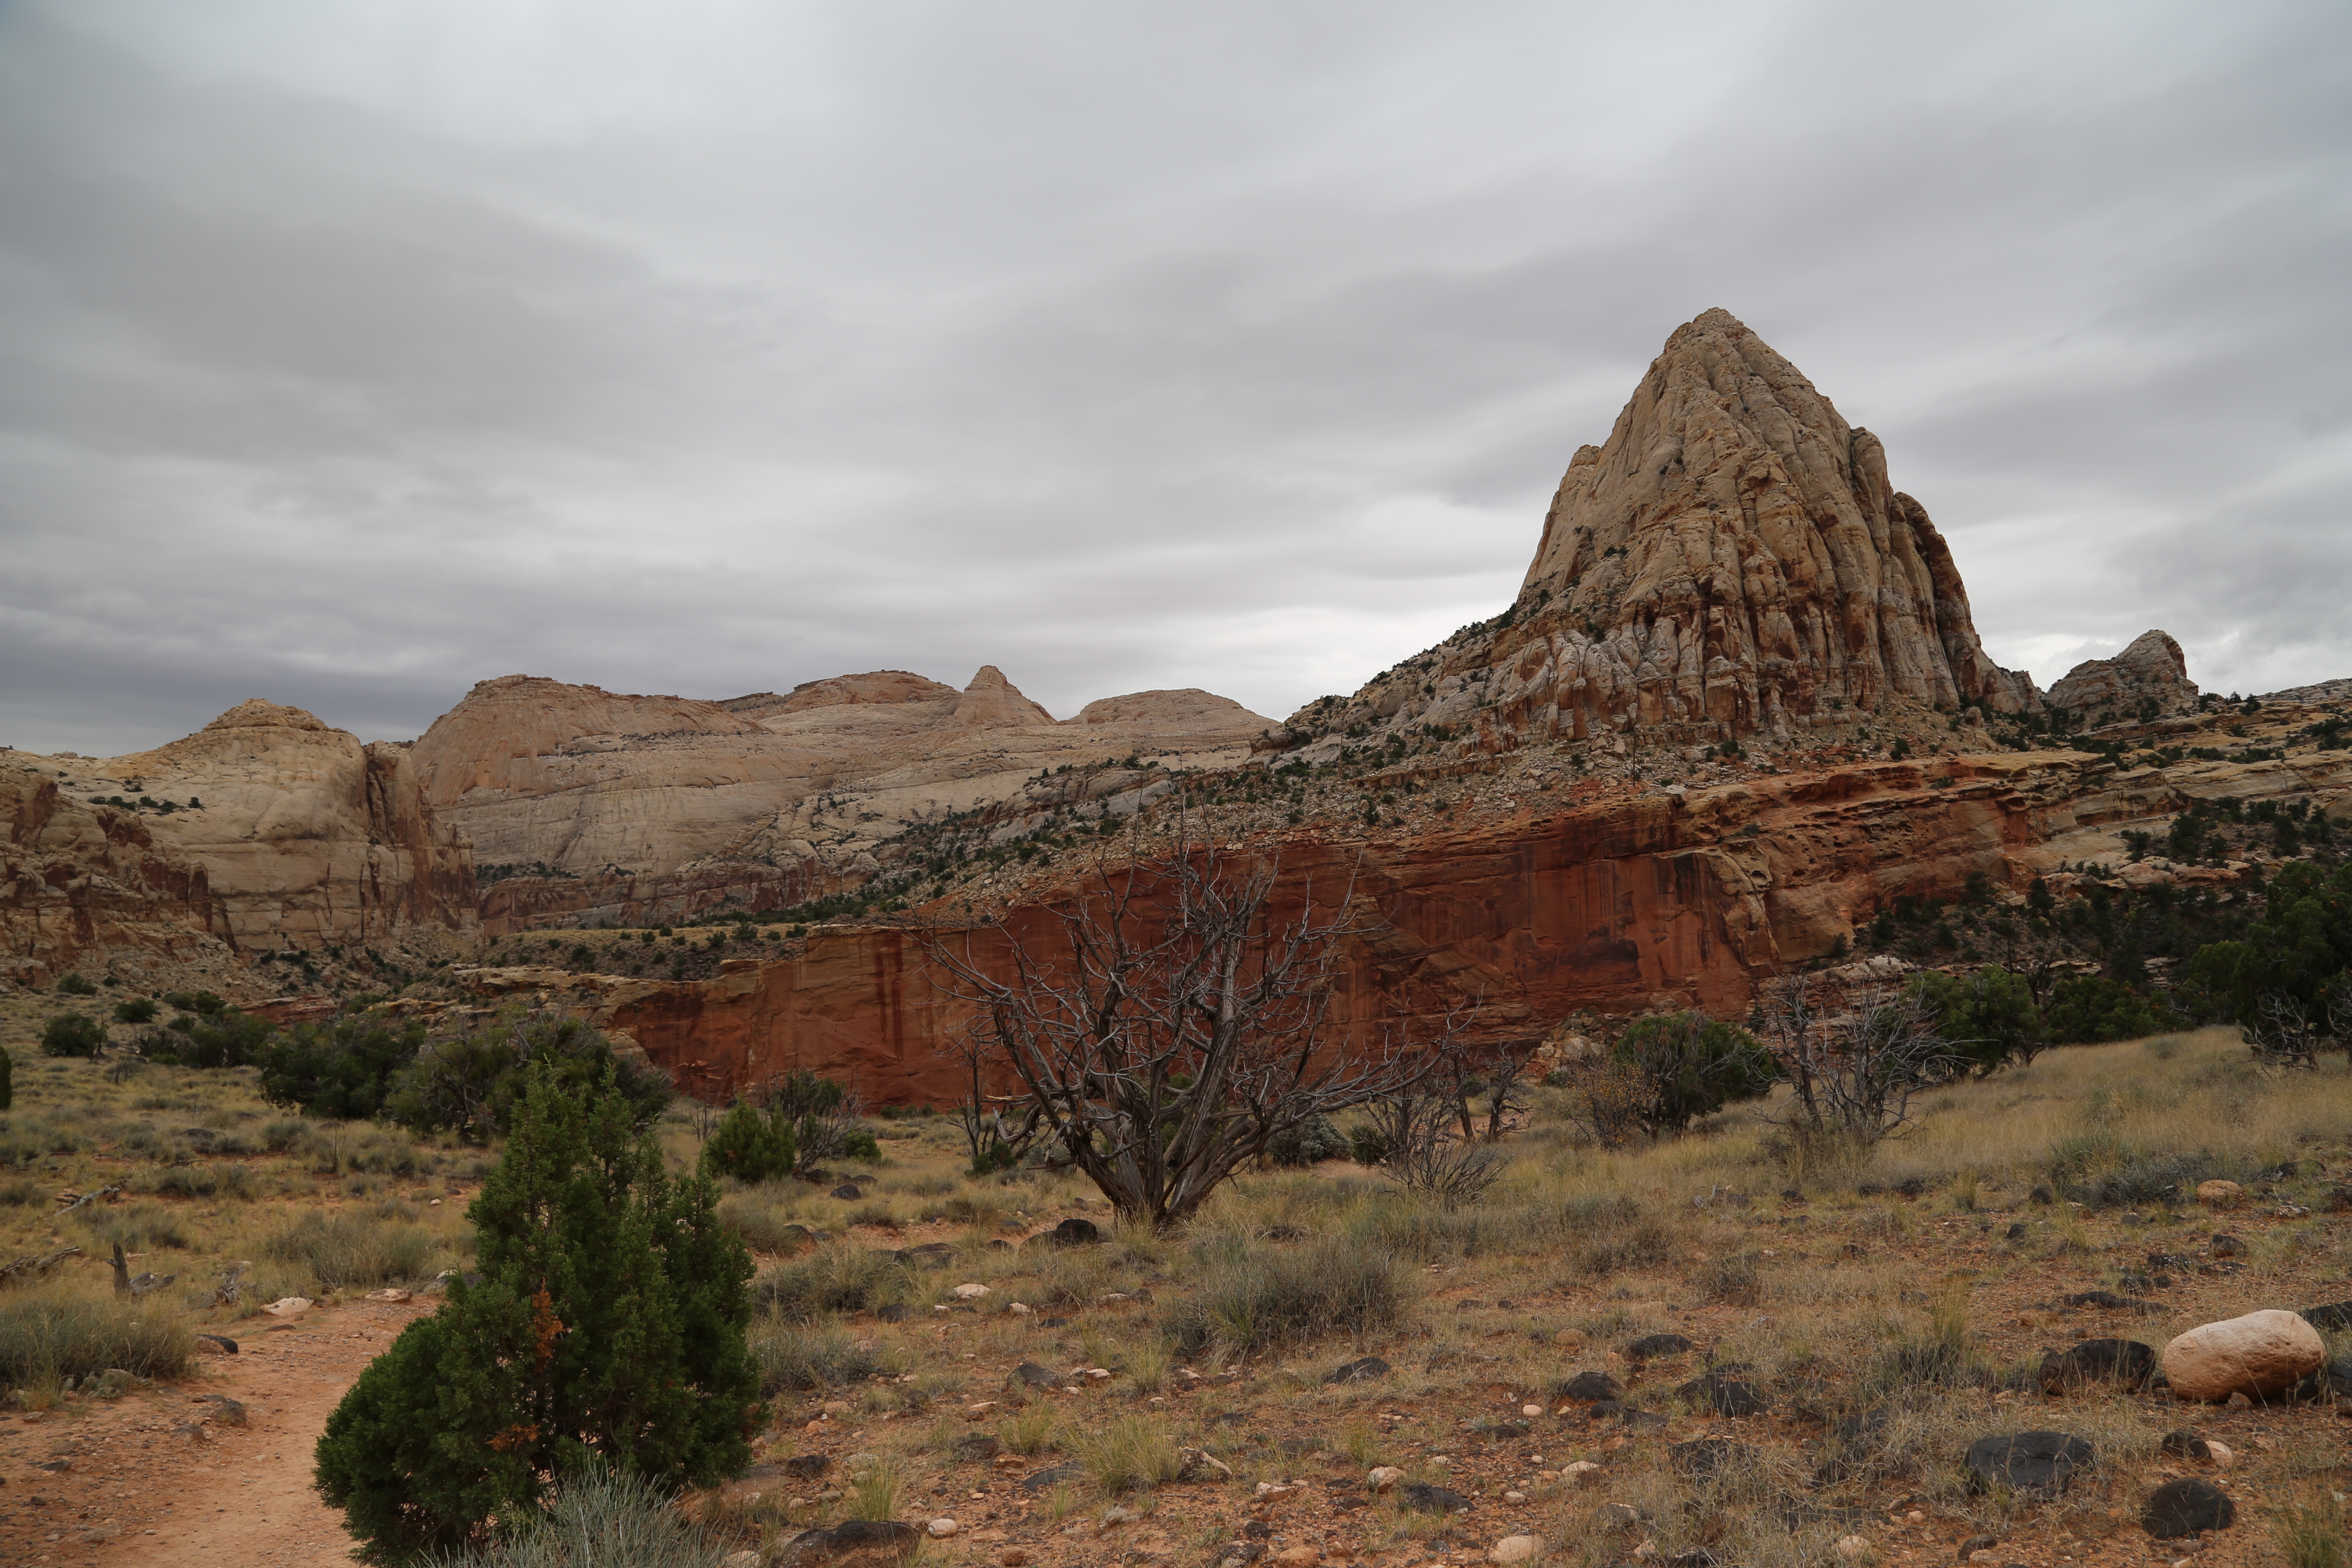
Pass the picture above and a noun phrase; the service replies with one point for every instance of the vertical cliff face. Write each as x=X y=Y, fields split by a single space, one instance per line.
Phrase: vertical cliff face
x=1735 y=555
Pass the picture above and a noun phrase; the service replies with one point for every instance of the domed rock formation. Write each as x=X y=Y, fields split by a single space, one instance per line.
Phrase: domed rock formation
x=2151 y=670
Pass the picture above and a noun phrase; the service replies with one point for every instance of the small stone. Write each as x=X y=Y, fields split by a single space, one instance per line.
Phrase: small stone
x=2220 y=1453
x=2221 y=1195
x=1650 y=1347
x=940 y=1529
x=1274 y=1491
x=1570 y=1339
x=1617 y=1516
x=1515 y=1497
x=1076 y=1232
x=1531 y=1410
x=289 y=1306
x=1021 y=1309
x=861 y=1542
x=1575 y=1474
x=1367 y=1369
x=1426 y=1498
x=1098 y=1374
x=970 y=1291
x=1590 y=1387
x=1012 y=1557
x=1384 y=1478
x=2239 y=1402
x=2037 y=1464
x=742 y=1560
x=1854 y=1549
x=1517 y=1549
x=1298 y=1557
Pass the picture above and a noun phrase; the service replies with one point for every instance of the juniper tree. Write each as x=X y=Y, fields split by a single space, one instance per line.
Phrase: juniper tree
x=606 y=1331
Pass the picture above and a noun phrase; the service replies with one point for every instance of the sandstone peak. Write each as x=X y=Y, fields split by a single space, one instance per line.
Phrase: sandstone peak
x=991 y=700
x=1734 y=555
x=1188 y=704
x=878 y=686
x=254 y=713
x=2152 y=669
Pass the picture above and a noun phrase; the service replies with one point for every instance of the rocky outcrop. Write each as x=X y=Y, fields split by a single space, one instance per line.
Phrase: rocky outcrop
x=2148 y=678
x=589 y=806
x=1615 y=898
x=1732 y=562
x=82 y=883
x=305 y=836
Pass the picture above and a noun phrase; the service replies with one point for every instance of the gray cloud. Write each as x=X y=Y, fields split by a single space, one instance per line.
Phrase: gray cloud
x=351 y=353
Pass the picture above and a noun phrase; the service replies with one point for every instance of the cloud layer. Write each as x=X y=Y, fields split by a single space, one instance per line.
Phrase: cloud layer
x=353 y=350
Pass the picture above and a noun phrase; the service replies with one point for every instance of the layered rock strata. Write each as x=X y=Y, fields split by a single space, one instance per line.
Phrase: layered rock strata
x=588 y=807
x=2148 y=678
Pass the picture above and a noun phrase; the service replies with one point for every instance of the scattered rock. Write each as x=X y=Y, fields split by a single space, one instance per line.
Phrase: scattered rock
x=847 y=1193
x=1075 y=1232
x=2185 y=1445
x=1725 y=1396
x=1517 y=1549
x=2332 y=1318
x=1274 y=1491
x=1652 y=1347
x=1423 y=1497
x=2187 y=1506
x=2224 y=1245
x=1587 y=1387
x=970 y=1292
x=225 y=1411
x=2016 y=1232
x=2124 y=1363
x=1570 y=1339
x=289 y=1307
x=2221 y=1195
x=976 y=1448
x=2260 y=1354
x=2109 y=1301
x=2038 y=1464
x=1029 y=1375
x=1367 y=1369
x=1039 y=1481
x=854 y=1543
x=220 y=1342
x=1384 y=1478
x=941 y=1529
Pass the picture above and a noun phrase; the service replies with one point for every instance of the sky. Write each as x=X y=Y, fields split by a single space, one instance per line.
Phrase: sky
x=355 y=351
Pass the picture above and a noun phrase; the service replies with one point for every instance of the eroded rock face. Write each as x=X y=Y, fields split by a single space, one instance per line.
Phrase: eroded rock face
x=2152 y=670
x=305 y=835
x=588 y=805
x=81 y=881
x=2260 y=1353
x=1732 y=561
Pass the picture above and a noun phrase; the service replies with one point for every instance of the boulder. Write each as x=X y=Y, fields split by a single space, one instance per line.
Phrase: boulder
x=2187 y=1506
x=853 y=1543
x=1076 y=1232
x=2221 y=1195
x=1516 y=1549
x=1590 y=1386
x=2035 y=1464
x=1365 y=1369
x=2258 y=1354
x=1723 y=1395
x=1652 y=1347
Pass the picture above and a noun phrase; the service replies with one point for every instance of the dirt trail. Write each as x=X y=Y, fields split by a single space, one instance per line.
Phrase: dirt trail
x=140 y=1488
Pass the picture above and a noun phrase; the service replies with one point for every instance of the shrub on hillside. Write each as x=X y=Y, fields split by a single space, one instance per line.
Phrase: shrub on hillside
x=1686 y=1065
x=135 y=1010
x=225 y=1038
x=2091 y=1010
x=751 y=1146
x=1308 y=1142
x=607 y=1327
x=72 y=1034
x=1986 y=1020
x=74 y=985
x=472 y=1084
x=343 y=1068
x=1248 y=1298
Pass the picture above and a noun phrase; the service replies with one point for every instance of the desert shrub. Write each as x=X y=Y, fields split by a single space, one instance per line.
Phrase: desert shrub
x=343 y=1068
x=222 y=1039
x=137 y=1228
x=1407 y=1227
x=135 y=1010
x=1308 y=1142
x=751 y=1146
x=1127 y=1453
x=225 y=1179
x=1986 y=1020
x=1688 y=1066
x=21 y=1195
x=72 y=1034
x=601 y=1517
x=202 y=1002
x=73 y=985
x=609 y=1321
x=762 y=1223
x=54 y=1331
x=350 y=1252
x=472 y=1084
x=1246 y=1299
x=1605 y=1235
x=2091 y=1010
x=834 y=1280
x=796 y=1356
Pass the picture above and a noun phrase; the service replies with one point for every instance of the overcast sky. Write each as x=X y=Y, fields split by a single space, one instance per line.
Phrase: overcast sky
x=353 y=350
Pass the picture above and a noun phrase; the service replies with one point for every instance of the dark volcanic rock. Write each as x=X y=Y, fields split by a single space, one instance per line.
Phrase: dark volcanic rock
x=2332 y=1319
x=1724 y=1396
x=2187 y=1506
x=1588 y=1387
x=1370 y=1369
x=1650 y=1347
x=1704 y=1458
x=1423 y=1497
x=807 y=1466
x=1076 y=1232
x=2124 y=1363
x=853 y=1543
x=2038 y=1463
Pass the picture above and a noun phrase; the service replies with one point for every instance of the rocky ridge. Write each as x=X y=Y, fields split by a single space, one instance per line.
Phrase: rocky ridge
x=2148 y=679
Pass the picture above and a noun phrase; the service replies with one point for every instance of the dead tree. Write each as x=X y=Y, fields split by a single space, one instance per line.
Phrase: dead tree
x=1173 y=1024
x=1853 y=1062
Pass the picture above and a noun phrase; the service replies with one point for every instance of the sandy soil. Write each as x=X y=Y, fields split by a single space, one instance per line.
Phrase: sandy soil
x=158 y=1478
